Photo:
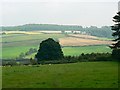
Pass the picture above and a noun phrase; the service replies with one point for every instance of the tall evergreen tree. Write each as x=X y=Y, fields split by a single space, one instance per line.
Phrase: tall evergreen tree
x=116 y=33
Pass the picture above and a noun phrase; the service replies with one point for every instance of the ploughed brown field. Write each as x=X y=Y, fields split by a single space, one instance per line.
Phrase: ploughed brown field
x=82 y=40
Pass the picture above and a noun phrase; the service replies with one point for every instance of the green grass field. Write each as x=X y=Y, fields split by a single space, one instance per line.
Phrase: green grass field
x=75 y=75
x=14 y=52
x=76 y=51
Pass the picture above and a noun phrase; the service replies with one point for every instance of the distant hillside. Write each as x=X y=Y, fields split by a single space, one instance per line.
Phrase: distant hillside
x=104 y=31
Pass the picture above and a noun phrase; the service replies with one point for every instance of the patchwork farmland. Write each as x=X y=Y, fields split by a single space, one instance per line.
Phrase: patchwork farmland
x=21 y=41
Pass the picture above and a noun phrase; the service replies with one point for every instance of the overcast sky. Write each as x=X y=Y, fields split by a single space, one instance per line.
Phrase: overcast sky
x=73 y=12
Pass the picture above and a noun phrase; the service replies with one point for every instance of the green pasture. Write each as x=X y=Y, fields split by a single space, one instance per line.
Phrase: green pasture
x=86 y=49
x=14 y=52
x=75 y=75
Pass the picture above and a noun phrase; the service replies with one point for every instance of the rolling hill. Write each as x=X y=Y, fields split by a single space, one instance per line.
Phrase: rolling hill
x=104 y=31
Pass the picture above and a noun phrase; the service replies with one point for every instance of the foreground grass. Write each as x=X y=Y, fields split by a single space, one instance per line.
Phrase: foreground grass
x=0 y=77
x=75 y=75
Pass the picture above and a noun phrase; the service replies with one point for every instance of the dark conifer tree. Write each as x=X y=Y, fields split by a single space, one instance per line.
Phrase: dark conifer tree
x=116 y=33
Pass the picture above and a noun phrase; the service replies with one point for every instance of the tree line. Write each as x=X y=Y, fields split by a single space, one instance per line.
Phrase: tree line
x=93 y=57
x=104 y=31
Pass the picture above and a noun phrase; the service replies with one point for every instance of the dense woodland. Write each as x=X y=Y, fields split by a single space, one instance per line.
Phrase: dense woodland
x=104 y=31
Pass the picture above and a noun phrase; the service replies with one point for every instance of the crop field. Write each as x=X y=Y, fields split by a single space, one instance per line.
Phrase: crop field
x=75 y=75
x=13 y=44
x=72 y=41
x=6 y=39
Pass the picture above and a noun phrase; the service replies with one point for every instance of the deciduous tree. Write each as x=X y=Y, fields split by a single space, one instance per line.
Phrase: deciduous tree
x=49 y=50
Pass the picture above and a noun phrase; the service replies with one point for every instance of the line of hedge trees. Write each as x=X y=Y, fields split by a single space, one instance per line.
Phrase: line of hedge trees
x=81 y=58
x=66 y=59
